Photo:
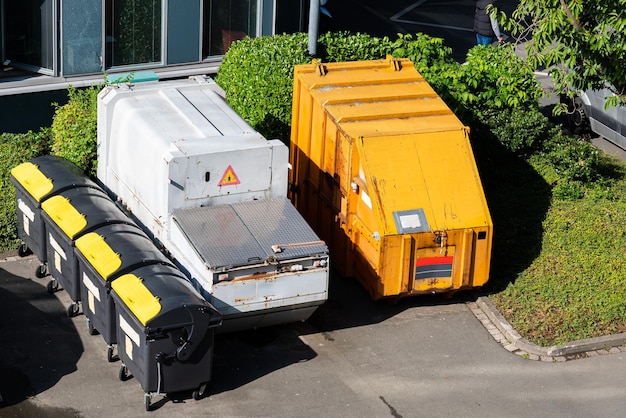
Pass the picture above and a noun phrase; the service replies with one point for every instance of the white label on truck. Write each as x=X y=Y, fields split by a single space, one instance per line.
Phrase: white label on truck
x=91 y=287
x=410 y=221
x=366 y=199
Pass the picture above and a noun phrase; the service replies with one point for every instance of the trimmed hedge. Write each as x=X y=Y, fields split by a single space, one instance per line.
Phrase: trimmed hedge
x=74 y=128
x=14 y=150
x=257 y=73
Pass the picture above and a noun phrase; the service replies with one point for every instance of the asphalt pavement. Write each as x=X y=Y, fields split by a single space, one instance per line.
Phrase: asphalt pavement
x=421 y=357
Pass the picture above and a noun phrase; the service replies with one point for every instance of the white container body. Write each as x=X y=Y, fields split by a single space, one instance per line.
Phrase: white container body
x=171 y=145
x=174 y=146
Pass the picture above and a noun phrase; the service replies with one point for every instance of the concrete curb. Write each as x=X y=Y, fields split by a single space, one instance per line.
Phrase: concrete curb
x=486 y=312
x=12 y=255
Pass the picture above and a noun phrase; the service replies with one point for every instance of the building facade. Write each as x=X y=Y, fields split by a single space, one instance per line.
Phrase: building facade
x=48 y=45
x=70 y=38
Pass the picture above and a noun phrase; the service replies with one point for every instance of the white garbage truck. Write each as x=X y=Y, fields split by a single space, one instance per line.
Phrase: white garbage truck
x=212 y=192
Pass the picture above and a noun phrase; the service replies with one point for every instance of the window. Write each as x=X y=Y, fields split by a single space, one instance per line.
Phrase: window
x=81 y=36
x=133 y=32
x=226 y=21
x=29 y=33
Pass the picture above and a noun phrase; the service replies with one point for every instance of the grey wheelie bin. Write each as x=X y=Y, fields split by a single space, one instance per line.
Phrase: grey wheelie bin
x=68 y=216
x=165 y=332
x=104 y=255
x=35 y=181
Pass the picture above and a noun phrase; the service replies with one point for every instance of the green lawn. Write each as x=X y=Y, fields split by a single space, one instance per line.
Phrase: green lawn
x=559 y=266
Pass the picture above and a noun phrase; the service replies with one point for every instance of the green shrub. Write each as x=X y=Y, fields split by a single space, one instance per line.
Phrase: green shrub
x=496 y=78
x=346 y=46
x=74 y=129
x=257 y=76
x=257 y=73
x=14 y=150
x=428 y=54
x=521 y=132
x=574 y=159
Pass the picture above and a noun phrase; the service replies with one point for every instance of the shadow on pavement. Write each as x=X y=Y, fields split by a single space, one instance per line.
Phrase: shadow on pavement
x=38 y=343
x=245 y=356
x=349 y=305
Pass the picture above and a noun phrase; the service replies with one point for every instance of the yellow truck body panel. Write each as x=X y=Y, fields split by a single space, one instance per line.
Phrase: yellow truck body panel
x=384 y=172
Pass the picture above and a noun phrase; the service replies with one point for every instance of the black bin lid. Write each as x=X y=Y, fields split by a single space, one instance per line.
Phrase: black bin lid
x=160 y=296
x=82 y=209
x=48 y=175
x=113 y=250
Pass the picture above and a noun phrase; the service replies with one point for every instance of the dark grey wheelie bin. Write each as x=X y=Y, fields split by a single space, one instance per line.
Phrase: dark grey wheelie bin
x=67 y=216
x=165 y=332
x=103 y=255
x=35 y=181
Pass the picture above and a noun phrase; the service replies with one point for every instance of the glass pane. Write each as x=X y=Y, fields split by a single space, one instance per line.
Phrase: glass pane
x=225 y=21
x=30 y=32
x=133 y=32
x=291 y=16
x=82 y=36
x=183 y=29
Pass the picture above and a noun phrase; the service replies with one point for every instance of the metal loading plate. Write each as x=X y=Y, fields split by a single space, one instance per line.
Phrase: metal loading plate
x=248 y=233
x=280 y=229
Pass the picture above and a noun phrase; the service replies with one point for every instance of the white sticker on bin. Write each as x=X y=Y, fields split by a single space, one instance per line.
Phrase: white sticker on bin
x=129 y=331
x=91 y=303
x=26 y=224
x=57 y=262
x=55 y=245
x=91 y=287
x=26 y=210
x=128 y=349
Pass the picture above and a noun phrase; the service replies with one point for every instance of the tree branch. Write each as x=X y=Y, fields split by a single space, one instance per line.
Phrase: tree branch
x=570 y=15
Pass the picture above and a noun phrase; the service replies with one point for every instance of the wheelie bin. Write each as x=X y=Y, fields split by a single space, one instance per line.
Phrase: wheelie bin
x=68 y=216
x=35 y=181
x=166 y=331
x=104 y=255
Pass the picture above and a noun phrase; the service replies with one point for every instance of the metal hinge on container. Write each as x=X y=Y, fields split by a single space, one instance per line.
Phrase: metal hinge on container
x=320 y=68
x=396 y=64
x=440 y=239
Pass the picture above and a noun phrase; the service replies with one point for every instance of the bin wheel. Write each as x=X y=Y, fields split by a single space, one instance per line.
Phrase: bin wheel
x=147 y=399
x=123 y=375
x=92 y=330
x=41 y=271
x=110 y=357
x=72 y=310
x=200 y=392
x=52 y=286
x=23 y=250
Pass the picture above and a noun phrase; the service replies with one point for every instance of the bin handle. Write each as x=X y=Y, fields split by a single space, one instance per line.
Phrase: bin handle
x=197 y=331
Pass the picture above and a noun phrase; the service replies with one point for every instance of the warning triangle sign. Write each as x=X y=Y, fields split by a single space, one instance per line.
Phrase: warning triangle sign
x=229 y=178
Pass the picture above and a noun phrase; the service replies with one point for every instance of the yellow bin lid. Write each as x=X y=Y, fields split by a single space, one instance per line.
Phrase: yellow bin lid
x=65 y=215
x=141 y=302
x=98 y=253
x=33 y=180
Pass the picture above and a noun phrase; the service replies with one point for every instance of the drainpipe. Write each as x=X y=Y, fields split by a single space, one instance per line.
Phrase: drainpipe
x=314 y=17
